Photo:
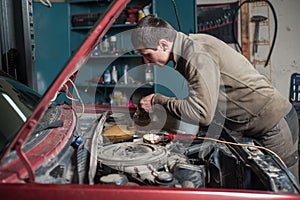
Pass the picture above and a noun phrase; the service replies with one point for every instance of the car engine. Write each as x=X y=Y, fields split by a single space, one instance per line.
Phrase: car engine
x=148 y=164
x=161 y=158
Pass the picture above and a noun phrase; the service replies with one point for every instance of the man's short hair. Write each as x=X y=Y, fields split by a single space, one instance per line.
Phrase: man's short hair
x=149 y=30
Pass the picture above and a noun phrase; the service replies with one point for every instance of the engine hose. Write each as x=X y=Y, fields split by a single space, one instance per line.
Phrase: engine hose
x=275 y=26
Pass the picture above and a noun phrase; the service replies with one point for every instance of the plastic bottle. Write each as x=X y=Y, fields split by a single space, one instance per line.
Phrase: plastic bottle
x=149 y=74
x=125 y=74
x=107 y=77
x=141 y=15
x=96 y=51
x=124 y=100
x=113 y=44
x=114 y=75
x=105 y=45
x=146 y=9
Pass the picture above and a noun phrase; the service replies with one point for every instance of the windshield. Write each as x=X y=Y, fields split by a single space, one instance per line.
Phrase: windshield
x=16 y=104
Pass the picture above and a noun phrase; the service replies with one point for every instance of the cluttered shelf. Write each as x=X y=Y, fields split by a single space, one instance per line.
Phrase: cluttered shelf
x=99 y=109
x=116 y=56
x=88 y=84
x=113 y=94
x=115 y=73
x=80 y=28
x=85 y=1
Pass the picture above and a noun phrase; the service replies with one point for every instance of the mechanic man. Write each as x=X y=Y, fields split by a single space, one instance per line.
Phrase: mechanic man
x=216 y=73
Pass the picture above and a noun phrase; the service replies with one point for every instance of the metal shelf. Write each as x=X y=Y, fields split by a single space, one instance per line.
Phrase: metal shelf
x=129 y=86
x=103 y=56
x=84 y=28
x=86 y=1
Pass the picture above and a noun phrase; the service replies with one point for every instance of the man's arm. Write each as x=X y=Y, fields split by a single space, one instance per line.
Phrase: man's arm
x=203 y=76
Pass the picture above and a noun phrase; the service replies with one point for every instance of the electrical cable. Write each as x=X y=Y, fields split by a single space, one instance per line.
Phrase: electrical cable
x=245 y=145
x=178 y=22
x=233 y=26
x=275 y=26
x=77 y=93
x=69 y=97
x=46 y=3
x=176 y=14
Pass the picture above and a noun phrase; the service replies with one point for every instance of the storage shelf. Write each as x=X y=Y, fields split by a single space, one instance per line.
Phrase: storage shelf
x=99 y=61
x=84 y=1
x=103 y=56
x=84 y=28
x=130 y=86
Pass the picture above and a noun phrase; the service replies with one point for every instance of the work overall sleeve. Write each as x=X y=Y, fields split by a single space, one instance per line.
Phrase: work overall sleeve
x=203 y=76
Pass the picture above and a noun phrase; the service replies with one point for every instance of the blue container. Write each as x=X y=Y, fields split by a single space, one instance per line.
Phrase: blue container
x=295 y=90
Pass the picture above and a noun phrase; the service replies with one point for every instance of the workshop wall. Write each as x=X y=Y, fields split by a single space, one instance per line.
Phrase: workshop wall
x=52 y=42
x=285 y=58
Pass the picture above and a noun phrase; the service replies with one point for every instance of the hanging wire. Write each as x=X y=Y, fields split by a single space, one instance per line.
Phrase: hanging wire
x=177 y=16
x=46 y=3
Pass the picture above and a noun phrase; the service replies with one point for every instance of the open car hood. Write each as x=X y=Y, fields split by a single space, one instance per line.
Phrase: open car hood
x=149 y=164
x=68 y=72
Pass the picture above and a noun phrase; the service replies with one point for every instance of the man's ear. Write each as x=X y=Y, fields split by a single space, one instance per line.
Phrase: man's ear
x=163 y=44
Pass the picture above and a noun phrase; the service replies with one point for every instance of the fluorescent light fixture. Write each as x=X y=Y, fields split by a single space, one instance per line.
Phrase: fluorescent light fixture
x=15 y=107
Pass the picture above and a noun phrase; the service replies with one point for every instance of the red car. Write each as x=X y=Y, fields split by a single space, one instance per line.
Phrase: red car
x=55 y=147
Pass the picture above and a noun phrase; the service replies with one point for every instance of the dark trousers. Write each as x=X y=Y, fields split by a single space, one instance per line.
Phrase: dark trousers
x=283 y=140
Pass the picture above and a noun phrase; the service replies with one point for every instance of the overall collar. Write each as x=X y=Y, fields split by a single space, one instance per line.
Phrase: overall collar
x=177 y=49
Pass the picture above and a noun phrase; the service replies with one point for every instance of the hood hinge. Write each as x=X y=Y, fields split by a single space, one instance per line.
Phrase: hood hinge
x=24 y=160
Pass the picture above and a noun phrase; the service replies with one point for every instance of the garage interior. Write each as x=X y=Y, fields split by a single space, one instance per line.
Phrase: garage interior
x=31 y=34
x=39 y=36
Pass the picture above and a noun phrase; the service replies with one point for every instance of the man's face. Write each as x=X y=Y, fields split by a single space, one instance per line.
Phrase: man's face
x=158 y=56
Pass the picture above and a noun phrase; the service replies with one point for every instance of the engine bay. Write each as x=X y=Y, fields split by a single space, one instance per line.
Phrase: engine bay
x=106 y=150
x=161 y=158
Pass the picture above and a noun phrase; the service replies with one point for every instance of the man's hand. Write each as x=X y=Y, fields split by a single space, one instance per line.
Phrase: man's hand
x=146 y=103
